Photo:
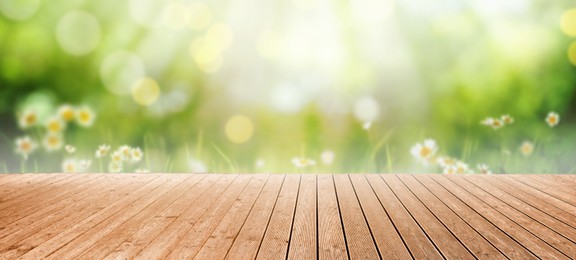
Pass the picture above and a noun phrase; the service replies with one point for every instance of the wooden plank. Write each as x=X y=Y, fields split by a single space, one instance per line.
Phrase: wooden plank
x=80 y=206
x=505 y=244
x=192 y=242
x=544 y=213
x=220 y=241
x=414 y=237
x=470 y=238
x=559 y=242
x=552 y=181
x=45 y=201
x=331 y=244
x=246 y=244
x=44 y=191
x=357 y=234
x=275 y=242
x=150 y=230
x=304 y=237
x=444 y=240
x=388 y=241
x=565 y=215
x=546 y=188
x=556 y=180
x=17 y=184
x=84 y=241
x=538 y=194
x=533 y=243
x=128 y=201
x=161 y=246
x=110 y=241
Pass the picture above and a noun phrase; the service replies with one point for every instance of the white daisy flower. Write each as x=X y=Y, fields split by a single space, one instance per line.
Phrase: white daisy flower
x=527 y=148
x=25 y=146
x=484 y=169
x=552 y=119
x=302 y=162
x=424 y=152
x=327 y=157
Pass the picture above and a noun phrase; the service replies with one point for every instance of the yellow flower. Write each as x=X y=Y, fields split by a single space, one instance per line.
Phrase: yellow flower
x=25 y=146
x=126 y=152
x=483 y=169
x=301 y=162
x=28 y=119
x=446 y=161
x=495 y=123
x=52 y=142
x=462 y=168
x=451 y=169
x=66 y=113
x=424 y=152
x=70 y=149
x=70 y=166
x=552 y=119
x=116 y=157
x=527 y=148
x=507 y=119
x=115 y=166
x=136 y=154
x=85 y=116
x=102 y=151
x=55 y=125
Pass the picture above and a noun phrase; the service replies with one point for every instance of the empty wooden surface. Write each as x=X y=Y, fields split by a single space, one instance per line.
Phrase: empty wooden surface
x=294 y=216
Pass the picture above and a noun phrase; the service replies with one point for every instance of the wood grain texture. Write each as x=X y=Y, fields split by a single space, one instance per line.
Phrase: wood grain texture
x=277 y=216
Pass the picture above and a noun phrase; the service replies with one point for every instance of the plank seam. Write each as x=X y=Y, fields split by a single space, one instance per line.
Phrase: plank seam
x=247 y=215
x=390 y=218
x=364 y=216
x=270 y=217
x=340 y=215
x=417 y=223
x=522 y=226
x=456 y=213
x=293 y=217
x=513 y=207
x=439 y=220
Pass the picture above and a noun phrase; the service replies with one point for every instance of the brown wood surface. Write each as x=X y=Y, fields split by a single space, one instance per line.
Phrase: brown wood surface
x=296 y=216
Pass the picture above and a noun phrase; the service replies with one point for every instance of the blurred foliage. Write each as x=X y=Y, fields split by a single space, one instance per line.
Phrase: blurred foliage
x=167 y=76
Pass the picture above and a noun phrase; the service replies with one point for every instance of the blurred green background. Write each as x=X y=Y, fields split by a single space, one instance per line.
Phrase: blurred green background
x=248 y=85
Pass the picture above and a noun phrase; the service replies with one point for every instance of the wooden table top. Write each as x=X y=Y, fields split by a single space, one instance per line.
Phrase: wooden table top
x=296 y=216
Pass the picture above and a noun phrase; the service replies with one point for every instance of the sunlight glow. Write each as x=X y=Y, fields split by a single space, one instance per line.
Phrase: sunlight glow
x=239 y=129
x=568 y=22
x=146 y=91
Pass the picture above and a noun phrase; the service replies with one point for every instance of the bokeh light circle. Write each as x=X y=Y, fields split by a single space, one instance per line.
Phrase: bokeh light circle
x=19 y=10
x=239 y=129
x=78 y=33
x=200 y=16
x=145 y=12
x=220 y=35
x=568 y=22
x=572 y=53
x=120 y=70
x=176 y=15
x=366 y=109
x=145 y=91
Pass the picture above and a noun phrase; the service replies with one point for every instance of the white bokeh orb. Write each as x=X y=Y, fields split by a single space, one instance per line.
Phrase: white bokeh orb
x=120 y=70
x=78 y=33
